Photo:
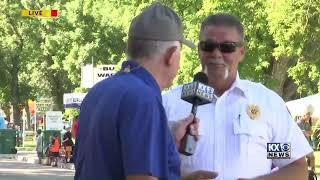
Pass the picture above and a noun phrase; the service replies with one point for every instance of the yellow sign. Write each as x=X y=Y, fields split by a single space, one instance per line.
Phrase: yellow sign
x=39 y=13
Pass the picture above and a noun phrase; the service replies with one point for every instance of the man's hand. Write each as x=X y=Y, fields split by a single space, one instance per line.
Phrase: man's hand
x=198 y=175
x=181 y=127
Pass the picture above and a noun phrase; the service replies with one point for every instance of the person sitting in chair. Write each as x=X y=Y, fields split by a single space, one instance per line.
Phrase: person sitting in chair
x=305 y=124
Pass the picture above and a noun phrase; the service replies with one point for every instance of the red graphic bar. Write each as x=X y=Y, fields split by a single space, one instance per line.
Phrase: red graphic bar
x=54 y=13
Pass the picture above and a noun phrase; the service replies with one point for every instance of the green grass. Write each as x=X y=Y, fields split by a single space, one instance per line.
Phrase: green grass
x=28 y=145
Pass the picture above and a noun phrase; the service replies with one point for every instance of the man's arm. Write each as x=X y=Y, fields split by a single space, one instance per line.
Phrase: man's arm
x=296 y=170
x=140 y=177
x=284 y=129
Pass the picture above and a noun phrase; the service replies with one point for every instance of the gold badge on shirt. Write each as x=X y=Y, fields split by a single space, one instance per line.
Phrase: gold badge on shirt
x=253 y=111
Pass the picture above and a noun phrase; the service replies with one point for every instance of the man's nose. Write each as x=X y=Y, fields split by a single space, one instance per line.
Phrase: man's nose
x=216 y=53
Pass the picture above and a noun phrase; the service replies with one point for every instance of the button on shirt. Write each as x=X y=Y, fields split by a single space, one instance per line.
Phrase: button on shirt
x=231 y=143
x=123 y=129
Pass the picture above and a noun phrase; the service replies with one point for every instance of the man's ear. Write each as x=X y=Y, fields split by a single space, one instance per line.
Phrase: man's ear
x=199 y=56
x=242 y=52
x=169 y=54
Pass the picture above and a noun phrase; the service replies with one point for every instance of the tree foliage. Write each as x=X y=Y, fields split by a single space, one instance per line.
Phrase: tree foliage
x=42 y=57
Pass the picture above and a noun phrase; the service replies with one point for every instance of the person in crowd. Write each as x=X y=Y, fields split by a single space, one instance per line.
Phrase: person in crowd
x=305 y=124
x=39 y=145
x=75 y=126
x=67 y=143
x=55 y=149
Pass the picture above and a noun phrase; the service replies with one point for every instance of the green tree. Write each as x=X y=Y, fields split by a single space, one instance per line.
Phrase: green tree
x=12 y=42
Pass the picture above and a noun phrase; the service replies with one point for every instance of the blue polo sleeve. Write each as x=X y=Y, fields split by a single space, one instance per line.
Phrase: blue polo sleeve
x=143 y=134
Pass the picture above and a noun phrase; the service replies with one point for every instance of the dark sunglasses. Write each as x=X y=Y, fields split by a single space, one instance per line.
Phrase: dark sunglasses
x=225 y=47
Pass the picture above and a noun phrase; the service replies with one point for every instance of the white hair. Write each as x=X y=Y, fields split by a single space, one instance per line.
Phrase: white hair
x=148 y=49
x=163 y=46
x=309 y=109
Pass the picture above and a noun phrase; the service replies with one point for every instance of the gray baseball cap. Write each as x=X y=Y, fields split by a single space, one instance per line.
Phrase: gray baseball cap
x=159 y=23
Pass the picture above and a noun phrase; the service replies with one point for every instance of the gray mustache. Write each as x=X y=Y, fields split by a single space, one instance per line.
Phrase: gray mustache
x=217 y=62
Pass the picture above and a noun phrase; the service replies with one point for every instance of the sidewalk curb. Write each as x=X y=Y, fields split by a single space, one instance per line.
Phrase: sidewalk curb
x=31 y=157
x=6 y=156
x=60 y=164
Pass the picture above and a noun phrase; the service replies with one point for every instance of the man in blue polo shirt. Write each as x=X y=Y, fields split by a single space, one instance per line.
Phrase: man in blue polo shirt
x=123 y=131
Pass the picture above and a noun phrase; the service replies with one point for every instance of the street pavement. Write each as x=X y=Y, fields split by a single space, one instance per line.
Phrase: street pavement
x=12 y=169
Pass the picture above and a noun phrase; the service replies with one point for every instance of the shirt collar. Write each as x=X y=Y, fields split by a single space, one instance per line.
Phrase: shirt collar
x=139 y=71
x=238 y=85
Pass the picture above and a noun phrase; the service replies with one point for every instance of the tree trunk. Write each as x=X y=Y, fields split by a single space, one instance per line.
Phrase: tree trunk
x=29 y=123
x=15 y=90
x=15 y=98
x=57 y=88
x=289 y=90
x=280 y=74
x=6 y=107
x=59 y=101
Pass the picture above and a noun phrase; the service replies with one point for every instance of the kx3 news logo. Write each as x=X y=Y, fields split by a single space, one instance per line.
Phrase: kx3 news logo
x=278 y=150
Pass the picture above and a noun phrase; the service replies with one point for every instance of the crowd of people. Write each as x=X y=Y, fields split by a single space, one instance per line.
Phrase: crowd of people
x=58 y=148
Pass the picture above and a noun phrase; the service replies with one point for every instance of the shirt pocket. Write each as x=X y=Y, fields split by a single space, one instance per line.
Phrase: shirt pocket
x=251 y=136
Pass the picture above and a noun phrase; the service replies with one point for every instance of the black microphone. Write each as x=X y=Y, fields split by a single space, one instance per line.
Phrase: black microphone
x=197 y=93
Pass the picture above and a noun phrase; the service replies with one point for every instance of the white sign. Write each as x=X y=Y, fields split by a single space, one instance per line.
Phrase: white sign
x=90 y=76
x=54 y=120
x=87 y=79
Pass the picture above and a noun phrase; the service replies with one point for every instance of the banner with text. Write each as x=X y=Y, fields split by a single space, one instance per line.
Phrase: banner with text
x=73 y=100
